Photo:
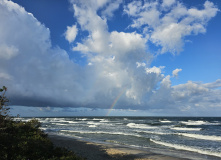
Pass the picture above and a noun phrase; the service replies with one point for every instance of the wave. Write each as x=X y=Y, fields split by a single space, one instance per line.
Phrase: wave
x=57 y=120
x=22 y=119
x=92 y=126
x=195 y=123
x=199 y=136
x=188 y=148
x=125 y=144
x=18 y=119
x=97 y=119
x=196 y=136
x=102 y=132
x=43 y=129
x=81 y=119
x=93 y=123
x=60 y=124
x=149 y=132
x=99 y=123
x=186 y=129
x=141 y=126
x=104 y=121
x=116 y=142
x=72 y=122
x=165 y=121
x=70 y=136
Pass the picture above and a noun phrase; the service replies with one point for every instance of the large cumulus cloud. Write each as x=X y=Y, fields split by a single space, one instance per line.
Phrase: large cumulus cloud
x=169 y=23
x=119 y=63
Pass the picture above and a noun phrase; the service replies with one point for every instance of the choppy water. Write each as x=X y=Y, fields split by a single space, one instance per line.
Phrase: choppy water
x=182 y=137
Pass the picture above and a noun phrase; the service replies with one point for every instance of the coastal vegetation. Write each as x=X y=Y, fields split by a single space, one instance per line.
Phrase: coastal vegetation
x=24 y=140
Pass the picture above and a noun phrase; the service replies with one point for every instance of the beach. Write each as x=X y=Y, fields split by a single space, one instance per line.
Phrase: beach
x=102 y=151
x=195 y=138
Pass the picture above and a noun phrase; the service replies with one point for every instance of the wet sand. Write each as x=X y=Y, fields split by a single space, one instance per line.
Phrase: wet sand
x=100 y=151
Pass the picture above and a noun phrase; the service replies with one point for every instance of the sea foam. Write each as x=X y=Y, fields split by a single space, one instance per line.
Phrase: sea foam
x=187 y=148
x=204 y=137
x=186 y=129
x=140 y=126
x=102 y=132
x=195 y=123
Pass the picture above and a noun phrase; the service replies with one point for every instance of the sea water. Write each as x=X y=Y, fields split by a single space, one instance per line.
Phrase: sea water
x=186 y=137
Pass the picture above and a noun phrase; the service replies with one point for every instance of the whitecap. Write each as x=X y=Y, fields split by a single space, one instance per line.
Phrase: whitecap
x=199 y=136
x=42 y=128
x=97 y=119
x=92 y=126
x=71 y=122
x=165 y=121
x=83 y=119
x=141 y=126
x=187 y=148
x=104 y=121
x=149 y=132
x=60 y=124
x=102 y=132
x=93 y=123
x=195 y=123
x=186 y=129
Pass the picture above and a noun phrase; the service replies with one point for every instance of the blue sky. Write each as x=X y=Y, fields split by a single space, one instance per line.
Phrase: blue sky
x=140 y=58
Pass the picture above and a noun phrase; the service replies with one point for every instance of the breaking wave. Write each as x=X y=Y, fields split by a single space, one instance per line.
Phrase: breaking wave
x=140 y=126
x=199 y=136
x=186 y=129
x=187 y=148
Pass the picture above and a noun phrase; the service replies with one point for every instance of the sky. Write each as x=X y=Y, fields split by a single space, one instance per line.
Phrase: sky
x=111 y=58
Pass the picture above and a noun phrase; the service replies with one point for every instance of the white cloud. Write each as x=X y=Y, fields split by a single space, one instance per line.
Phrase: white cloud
x=71 y=33
x=213 y=85
x=133 y=8
x=128 y=47
x=88 y=20
x=204 y=15
x=189 y=89
x=7 y=52
x=169 y=29
x=5 y=76
x=198 y=95
x=143 y=14
x=170 y=37
x=38 y=74
x=168 y=3
x=176 y=71
x=111 y=7
x=32 y=69
x=154 y=69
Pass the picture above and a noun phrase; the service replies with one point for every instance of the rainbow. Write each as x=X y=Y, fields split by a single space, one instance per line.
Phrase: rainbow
x=115 y=101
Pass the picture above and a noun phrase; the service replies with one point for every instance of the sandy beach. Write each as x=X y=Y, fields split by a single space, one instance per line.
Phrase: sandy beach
x=98 y=151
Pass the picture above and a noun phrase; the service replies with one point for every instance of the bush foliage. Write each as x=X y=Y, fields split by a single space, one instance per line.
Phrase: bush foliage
x=25 y=141
x=3 y=103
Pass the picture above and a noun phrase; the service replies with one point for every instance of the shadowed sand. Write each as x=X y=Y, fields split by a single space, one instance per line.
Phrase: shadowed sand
x=97 y=151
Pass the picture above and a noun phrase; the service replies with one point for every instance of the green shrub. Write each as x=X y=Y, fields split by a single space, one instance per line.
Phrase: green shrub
x=25 y=141
x=4 y=109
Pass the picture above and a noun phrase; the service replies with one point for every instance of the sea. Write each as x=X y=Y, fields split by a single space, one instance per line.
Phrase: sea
x=197 y=138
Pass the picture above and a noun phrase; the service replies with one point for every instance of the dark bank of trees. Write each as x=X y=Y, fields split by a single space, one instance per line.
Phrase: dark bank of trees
x=24 y=140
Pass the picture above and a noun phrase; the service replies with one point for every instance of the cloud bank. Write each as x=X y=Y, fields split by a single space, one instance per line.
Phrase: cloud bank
x=39 y=74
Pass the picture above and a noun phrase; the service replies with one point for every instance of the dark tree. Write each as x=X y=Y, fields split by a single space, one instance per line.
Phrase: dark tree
x=4 y=109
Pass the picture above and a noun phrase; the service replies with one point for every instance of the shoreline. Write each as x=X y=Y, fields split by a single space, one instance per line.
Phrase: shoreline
x=101 y=151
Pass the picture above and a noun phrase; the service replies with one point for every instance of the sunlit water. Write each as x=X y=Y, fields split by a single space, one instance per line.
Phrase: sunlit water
x=195 y=138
